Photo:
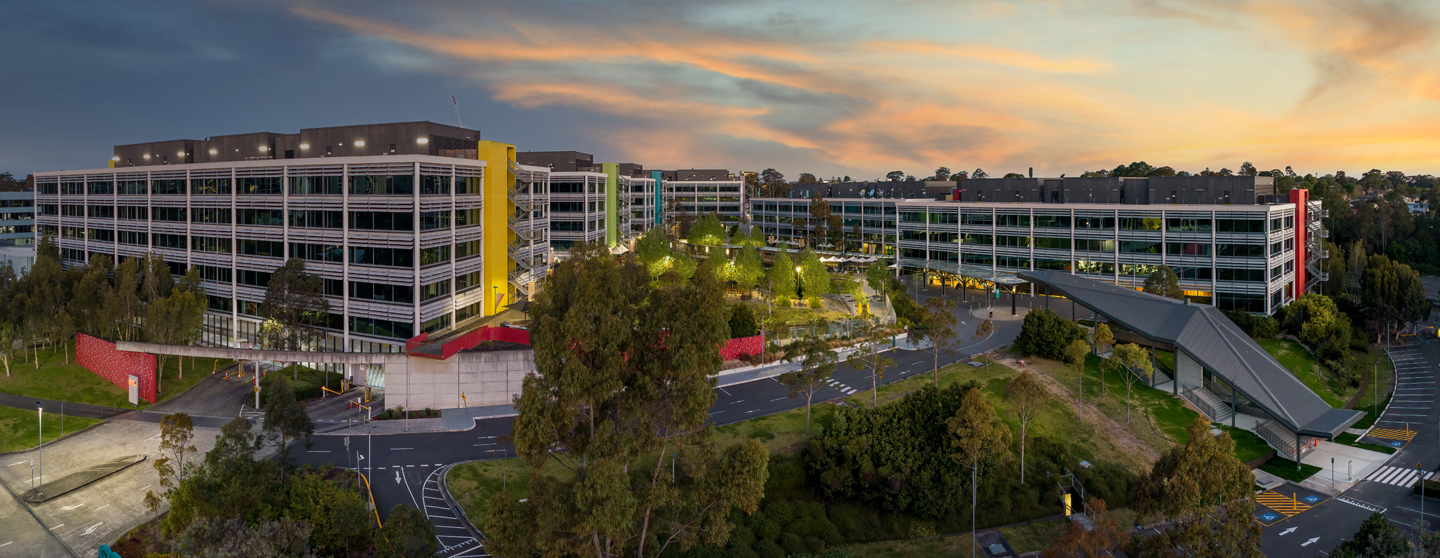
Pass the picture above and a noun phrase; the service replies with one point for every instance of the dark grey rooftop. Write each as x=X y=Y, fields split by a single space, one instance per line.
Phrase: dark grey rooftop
x=1204 y=334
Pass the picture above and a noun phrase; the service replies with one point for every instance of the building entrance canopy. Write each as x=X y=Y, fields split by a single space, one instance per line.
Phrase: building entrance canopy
x=1205 y=335
x=973 y=272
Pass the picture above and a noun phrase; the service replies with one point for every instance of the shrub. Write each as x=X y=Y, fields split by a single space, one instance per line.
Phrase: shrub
x=1046 y=334
x=743 y=322
x=815 y=302
x=1257 y=327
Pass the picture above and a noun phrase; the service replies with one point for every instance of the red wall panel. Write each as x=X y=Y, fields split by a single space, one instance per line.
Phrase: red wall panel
x=102 y=358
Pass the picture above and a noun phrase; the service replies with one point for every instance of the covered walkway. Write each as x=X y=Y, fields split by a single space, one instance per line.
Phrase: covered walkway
x=1211 y=354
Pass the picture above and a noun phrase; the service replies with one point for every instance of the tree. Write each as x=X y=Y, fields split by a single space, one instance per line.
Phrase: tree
x=782 y=276
x=817 y=364
x=653 y=252
x=1247 y=169
x=682 y=266
x=819 y=220
x=1377 y=537
x=979 y=173
x=624 y=375
x=122 y=305
x=158 y=280
x=9 y=334
x=1103 y=340
x=165 y=323
x=1028 y=395
x=715 y=267
x=959 y=175
x=757 y=236
x=869 y=355
x=1130 y=357
x=935 y=324
x=707 y=231
x=984 y=330
x=1223 y=531
x=1319 y=323
x=981 y=440
x=1201 y=473
x=339 y=520
x=1096 y=541
x=295 y=303
x=1165 y=283
x=1014 y=175
x=177 y=437
x=87 y=305
x=1075 y=354
x=807 y=178
x=1393 y=294
x=814 y=278
x=942 y=173
x=286 y=420
x=895 y=175
x=407 y=534
x=773 y=181
x=877 y=276
x=218 y=537
x=749 y=268
x=742 y=321
x=1045 y=334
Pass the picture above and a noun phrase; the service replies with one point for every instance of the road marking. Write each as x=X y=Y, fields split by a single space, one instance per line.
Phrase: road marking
x=716 y=413
x=722 y=389
x=318 y=451
x=406 y=466
x=8 y=543
x=484 y=437
x=68 y=508
x=92 y=528
x=1361 y=505
x=146 y=486
x=737 y=401
x=400 y=449
x=397 y=477
x=1310 y=542
x=483 y=445
x=17 y=463
x=102 y=507
x=778 y=399
x=57 y=526
x=1287 y=531
x=751 y=411
x=1287 y=505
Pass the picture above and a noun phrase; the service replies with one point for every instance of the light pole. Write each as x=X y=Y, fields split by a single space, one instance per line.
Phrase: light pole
x=370 y=447
x=40 y=420
x=973 y=511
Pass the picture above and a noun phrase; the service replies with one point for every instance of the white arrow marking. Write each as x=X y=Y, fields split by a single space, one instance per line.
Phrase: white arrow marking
x=1309 y=542
x=1287 y=531
x=92 y=528
x=397 y=477
x=68 y=508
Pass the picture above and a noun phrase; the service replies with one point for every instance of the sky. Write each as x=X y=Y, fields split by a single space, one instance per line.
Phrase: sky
x=833 y=88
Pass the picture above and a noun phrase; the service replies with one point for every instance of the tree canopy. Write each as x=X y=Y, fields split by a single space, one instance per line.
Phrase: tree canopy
x=1164 y=282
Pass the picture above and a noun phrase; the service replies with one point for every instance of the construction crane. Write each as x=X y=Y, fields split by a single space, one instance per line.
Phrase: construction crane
x=457 y=111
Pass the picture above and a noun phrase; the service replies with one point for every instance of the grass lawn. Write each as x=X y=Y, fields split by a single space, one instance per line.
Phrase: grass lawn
x=1035 y=536
x=1299 y=361
x=793 y=315
x=69 y=382
x=307 y=386
x=1156 y=417
x=1285 y=469
x=472 y=484
x=1249 y=446
x=1351 y=440
x=1383 y=377
x=782 y=433
x=1166 y=360
x=18 y=428
x=949 y=547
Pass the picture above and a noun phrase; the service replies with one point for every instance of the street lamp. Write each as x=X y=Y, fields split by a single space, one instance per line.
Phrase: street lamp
x=40 y=420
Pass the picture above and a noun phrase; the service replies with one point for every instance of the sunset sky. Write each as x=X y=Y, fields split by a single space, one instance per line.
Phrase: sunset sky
x=833 y=88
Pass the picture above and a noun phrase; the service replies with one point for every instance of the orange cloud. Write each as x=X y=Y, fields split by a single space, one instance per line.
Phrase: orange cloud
x=993 y=55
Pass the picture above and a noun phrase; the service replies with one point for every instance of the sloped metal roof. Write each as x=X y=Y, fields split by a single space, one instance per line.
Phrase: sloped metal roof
x=1204 y=334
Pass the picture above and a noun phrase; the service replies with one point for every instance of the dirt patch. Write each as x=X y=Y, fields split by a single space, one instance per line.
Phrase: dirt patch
x=1143 y=453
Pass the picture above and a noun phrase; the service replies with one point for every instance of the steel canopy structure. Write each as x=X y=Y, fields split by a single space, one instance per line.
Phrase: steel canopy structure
x=1203 y=334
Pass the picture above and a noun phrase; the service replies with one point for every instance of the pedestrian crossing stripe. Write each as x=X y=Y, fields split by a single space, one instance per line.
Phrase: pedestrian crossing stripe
x=1392 y=434
x=1287 y=505
x=1397 y=476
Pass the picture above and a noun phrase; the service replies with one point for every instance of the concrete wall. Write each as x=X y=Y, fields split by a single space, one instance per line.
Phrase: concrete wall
x=1189 y=373
x=486 y=378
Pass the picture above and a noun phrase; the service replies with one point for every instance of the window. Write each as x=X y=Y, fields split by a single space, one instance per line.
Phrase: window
x=1187 y=224
x=1139 y=247
x=432 y=256
x=260 y=217
x=1094 y=223
x=382 y=185
x=72 y=188
x=132 y=237
x=1138 y=270
x=168 y=214
x=72 y=210
x=1053 y=221
x=210 y=244
x=912 y=217
x=1094 y=245
x=49 y=189
x=912 y=235
x=1193 y=273
x=567 y=207
x=1240 y=225
x=467 y=249
x=133 y=213
x=316 y=219
x=433 y=185
x=467 y=217
x=1187 y=249
x=946 y=237
x=334 y=287
x=132 y=188
x=100 y=211
x=431 y=220
x=1139 y=223
x=1242 y=302
x=1059 y=265
x=1243 y=275
x=978 y=259
x=167 y=187
x=381 y=328
x=217 y=303
x=470 y=185
x=435 y=290
x=102 y=235
x=466 y=281
x=972 y=238
x=168 y=240
x=265 y=248
x=382 y=293
x=942 y=218
x=942 y=256
x=469 y=311
x=1013 y=241
x=1019 y=262
x=317 y=252
x=315 y=186
x=213 y=274
x=1103 y=268
x=382 y=221
x=1013 y=220
x=1052 y=243
x=210 y=186
x=391 y=257
x=218 y=215
x=1240 y=250
x=49 y=209
x=100 y=188
x=260 y=186
x=252 y=278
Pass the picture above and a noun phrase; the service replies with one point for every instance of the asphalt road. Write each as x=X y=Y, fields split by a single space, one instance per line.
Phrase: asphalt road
x=399 y=465
x=1415 y=407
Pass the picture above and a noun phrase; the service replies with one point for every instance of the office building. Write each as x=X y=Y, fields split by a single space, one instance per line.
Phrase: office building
x=17 y=218
x=1233 y=242
x=415 y=227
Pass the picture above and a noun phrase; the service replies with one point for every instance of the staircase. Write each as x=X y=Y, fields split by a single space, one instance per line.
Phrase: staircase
x=1209 y=403
x=1282 y=439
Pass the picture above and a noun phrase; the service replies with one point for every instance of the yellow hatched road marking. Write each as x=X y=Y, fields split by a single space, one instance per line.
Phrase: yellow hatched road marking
x=1288 y=505
x=1392 y=434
